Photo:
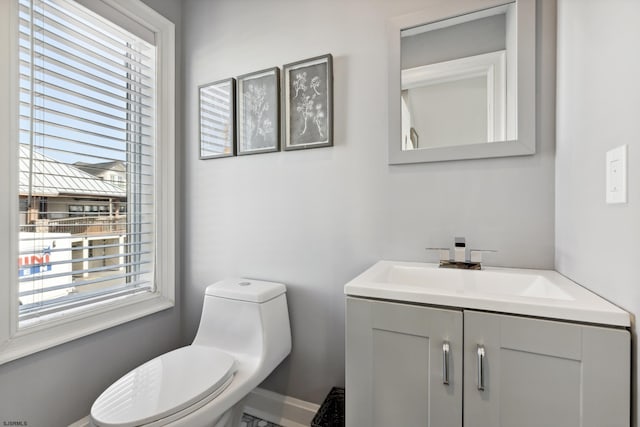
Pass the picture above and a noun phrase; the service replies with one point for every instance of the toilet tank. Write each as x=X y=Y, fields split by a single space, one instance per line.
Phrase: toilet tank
x=246 y=318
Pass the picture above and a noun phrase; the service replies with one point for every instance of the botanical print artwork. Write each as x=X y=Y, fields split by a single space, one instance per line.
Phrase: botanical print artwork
x=308 y=102
x=259 y=115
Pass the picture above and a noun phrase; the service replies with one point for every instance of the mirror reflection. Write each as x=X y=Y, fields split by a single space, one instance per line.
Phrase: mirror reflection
x=217 y=136
x=458 y=80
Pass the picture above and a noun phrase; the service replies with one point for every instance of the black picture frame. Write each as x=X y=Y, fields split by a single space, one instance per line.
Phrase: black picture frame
x=308 y=103
x=258 y=112
x=217 y=119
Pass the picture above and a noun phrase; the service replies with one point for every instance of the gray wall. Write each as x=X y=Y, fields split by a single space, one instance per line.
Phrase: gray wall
x=314 y=219
x=56 y=387
x=598 y=109
x=458 y=41
x=436 y=111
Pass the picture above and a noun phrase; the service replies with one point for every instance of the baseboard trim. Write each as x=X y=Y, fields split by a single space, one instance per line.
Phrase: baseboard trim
x=81 y=423
x=277 y=408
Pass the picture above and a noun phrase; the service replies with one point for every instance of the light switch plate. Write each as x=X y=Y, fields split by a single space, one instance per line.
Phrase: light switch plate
x=617 y=175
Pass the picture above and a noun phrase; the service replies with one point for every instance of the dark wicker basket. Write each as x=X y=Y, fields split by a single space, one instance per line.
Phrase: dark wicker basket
x=331 y=412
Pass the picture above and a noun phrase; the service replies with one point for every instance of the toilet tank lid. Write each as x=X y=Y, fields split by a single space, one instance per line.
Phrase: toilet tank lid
x=250 y=290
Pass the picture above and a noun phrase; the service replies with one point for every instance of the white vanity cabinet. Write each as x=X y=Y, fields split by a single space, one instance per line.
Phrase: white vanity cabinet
x=396 y=373
x=544 y=373
x=499 y=371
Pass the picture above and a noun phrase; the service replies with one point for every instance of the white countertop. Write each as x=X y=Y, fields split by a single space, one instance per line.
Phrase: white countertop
x=540 y=293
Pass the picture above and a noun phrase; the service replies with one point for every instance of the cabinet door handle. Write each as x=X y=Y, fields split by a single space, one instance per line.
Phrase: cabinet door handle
x=481 y=355
x=445 y=363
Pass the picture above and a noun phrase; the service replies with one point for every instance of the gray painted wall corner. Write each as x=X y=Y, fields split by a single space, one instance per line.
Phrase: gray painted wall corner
x=598 y=89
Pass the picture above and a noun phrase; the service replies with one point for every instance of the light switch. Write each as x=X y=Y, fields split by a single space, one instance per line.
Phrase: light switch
x=617 y=175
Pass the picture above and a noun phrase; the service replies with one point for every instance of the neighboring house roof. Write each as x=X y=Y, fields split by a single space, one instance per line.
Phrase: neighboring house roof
x=54 y=178
x=99 y=169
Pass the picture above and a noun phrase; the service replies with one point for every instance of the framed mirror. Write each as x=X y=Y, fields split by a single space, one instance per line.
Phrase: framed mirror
x=462 y=82
x=217 y=119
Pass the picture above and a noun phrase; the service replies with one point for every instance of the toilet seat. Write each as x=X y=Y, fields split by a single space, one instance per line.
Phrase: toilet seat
x=164 y=386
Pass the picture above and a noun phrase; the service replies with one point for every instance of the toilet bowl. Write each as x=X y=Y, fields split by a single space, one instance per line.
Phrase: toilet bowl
x=243 y=336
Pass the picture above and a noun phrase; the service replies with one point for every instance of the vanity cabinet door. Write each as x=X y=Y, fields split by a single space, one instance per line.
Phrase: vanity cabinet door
x=403 y=365
x=523 y=372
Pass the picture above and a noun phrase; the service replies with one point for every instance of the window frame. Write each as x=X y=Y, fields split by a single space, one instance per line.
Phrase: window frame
x=14 y=342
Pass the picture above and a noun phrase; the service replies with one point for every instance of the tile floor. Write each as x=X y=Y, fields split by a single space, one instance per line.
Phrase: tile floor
x=251 y=421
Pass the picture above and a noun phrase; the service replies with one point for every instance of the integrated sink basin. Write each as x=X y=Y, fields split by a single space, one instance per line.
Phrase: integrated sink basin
x=490 y=282
x=541 y=293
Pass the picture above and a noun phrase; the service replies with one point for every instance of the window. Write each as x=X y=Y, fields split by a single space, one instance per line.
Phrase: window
x=92 y=223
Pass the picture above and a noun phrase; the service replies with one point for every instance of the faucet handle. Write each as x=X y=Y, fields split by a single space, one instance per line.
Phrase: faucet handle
x=475 y=255
x=445 y=255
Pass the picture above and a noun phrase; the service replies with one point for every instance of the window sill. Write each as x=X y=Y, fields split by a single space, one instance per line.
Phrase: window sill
x=52 y=333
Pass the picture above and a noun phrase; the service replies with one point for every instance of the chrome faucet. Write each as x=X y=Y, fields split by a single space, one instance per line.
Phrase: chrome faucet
x=460 y=256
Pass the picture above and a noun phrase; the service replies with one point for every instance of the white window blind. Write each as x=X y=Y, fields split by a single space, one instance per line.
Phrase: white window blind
x=86 y=160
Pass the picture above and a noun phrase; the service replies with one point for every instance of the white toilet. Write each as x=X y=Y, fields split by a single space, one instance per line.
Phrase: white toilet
x=243 y=335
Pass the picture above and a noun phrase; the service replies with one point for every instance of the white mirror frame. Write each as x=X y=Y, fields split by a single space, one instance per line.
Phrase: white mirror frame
x=525 y=144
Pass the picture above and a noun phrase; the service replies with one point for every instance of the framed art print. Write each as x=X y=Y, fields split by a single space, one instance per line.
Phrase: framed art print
x=259 y=112
x=217 y=119
x=308 y=103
